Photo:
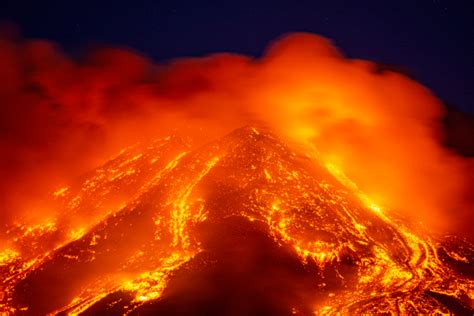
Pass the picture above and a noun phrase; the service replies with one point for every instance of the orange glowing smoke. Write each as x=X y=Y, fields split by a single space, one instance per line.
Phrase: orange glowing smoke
x=59 y=117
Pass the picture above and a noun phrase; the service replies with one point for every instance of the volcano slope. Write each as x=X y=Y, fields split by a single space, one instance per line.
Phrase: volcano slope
x=247 y=225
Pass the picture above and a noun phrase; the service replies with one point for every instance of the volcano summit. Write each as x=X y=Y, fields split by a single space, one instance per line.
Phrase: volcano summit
x=249 y=224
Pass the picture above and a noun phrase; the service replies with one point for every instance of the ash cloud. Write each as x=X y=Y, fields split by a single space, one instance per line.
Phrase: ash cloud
x=60 y=117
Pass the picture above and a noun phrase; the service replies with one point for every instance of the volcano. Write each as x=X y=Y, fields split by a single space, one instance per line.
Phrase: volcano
x=250 y=224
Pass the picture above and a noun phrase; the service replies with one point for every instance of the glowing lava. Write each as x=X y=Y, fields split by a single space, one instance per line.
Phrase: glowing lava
x=248 y=224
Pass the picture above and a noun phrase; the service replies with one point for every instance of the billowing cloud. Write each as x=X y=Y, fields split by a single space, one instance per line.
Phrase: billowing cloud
x=60 y=117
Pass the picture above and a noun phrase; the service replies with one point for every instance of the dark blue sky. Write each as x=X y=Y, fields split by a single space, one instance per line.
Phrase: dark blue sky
x=433 y=39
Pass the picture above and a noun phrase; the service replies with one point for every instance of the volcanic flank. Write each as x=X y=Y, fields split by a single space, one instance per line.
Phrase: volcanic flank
x=247 y=225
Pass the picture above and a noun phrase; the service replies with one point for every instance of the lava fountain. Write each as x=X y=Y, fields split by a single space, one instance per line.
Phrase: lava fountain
x=290 y=185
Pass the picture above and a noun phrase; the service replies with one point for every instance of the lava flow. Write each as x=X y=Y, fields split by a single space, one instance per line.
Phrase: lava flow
x=251 y=223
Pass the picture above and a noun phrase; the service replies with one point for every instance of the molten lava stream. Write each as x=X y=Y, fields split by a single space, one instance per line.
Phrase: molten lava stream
x=248 y=224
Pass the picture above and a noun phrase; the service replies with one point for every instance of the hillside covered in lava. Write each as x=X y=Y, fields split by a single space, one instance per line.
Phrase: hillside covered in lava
x=249 y=224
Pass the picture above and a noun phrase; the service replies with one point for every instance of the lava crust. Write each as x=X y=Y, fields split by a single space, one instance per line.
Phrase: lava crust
x=250 y=224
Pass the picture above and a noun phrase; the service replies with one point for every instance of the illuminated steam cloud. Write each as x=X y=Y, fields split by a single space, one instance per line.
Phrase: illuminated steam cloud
x=61 y=116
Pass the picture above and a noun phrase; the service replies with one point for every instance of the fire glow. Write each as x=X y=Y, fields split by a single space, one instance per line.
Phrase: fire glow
x=289 y=184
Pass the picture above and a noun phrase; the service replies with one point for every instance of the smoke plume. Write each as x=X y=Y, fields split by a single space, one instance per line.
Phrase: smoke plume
x=61 y=116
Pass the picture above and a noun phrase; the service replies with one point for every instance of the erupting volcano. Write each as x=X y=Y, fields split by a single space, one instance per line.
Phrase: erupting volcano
x=250 y=223
x=300 y=182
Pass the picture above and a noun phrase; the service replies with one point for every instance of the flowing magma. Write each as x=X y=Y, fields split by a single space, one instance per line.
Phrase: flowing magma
x=249 y=224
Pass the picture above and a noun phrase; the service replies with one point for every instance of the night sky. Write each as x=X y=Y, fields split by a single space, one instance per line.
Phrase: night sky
x=432 y=39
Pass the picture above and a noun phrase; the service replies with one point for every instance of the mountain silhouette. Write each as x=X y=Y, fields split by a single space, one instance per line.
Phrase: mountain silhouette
x=249 y=224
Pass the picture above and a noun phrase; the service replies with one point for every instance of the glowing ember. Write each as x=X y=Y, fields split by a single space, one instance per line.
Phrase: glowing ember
x=174 y=228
